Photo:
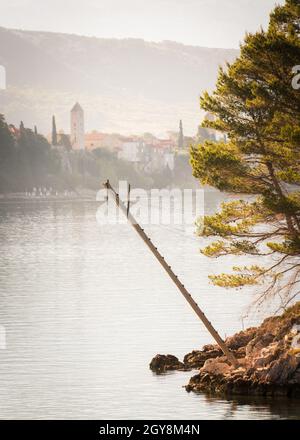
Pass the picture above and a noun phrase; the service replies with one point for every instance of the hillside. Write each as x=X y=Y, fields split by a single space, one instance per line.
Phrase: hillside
x=124 y=85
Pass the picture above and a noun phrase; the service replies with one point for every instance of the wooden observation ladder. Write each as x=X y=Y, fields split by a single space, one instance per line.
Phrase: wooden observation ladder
x=174 y=278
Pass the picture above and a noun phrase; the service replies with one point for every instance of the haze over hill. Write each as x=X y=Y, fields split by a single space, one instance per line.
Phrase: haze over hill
x=124 y=85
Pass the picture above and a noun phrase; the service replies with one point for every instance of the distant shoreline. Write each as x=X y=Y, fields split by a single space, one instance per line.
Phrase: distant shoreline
x=22 y=197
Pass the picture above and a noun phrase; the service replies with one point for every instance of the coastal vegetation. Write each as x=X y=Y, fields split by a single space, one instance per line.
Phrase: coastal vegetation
x=26 y=160
x=256 y=105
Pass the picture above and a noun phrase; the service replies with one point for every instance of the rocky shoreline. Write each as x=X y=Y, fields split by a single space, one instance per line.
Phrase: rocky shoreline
x=268 y=356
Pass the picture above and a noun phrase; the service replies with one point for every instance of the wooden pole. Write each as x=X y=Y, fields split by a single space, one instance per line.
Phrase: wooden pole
x=173 y=277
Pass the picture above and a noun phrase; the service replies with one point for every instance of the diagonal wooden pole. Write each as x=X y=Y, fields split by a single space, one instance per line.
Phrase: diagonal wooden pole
x=173 y=277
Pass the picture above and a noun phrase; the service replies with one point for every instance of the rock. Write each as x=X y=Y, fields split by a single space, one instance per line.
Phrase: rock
x=240 y=353
x=266 y=355
x=258 y=343
x=269 y=361
x=282 y=369
x=216 y=367
x=196 y=359
x=292 y=339
x=241 y=339
x=162 y=363
x=210 y=347
x=295 y=330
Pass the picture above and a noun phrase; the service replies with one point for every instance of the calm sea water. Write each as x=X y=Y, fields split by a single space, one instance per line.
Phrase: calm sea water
x=85 y=307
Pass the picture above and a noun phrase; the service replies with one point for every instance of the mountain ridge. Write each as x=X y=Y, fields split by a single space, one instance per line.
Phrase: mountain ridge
x=125 y=85
x=82 y=36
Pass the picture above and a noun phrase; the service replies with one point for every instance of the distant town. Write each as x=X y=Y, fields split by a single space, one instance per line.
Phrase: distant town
x=60 y=162
x=147 y=152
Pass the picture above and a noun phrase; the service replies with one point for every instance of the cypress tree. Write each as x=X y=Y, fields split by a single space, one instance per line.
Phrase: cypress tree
x=180 y=136
x=54 y=132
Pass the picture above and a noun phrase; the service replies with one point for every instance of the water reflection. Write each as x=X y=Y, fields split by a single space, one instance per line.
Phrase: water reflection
x=85 y=308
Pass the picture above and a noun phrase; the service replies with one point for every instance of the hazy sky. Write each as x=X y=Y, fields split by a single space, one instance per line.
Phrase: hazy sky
x=212 y=23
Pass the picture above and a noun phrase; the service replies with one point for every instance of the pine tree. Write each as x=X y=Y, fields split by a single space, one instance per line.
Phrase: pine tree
x=256 y=105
